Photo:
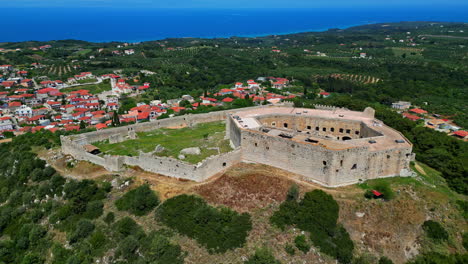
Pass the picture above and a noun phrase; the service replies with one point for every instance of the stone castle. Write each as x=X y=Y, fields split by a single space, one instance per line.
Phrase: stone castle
x=327 y=145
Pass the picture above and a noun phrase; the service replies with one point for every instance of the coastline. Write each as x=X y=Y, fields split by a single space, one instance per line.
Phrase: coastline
x=140 y=25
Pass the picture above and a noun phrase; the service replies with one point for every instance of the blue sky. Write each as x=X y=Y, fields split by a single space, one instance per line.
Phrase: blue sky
x=225 y=3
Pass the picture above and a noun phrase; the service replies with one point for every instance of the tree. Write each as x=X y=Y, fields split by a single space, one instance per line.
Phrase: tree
x=385 y=260
x=293 y=193
x=262 y=256
x=139 y=201
x=301 y=243
x=128 y=247
x=127 y=226
x=110 y=217
x=83 y=229
x=435 y=230
x=115 y=119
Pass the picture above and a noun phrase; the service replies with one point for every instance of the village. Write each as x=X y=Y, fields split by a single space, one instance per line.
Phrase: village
x=29 y=106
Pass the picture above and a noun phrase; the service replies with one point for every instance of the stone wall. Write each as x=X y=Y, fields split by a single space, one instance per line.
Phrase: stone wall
x=316 y=163
x=339 y=128
x=180 y=169
x=73 y=145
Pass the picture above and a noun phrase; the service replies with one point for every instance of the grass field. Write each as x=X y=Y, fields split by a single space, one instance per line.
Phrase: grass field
x=209 y=137
x=412 y=53
x=93 y=88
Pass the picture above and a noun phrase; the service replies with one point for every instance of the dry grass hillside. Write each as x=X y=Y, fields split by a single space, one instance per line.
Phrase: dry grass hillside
x=378 y=228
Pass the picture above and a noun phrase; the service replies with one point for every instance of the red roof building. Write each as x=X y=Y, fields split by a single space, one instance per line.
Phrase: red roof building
x=101 y=126
x=411 y=117
x=418 y=111
x=461 y=134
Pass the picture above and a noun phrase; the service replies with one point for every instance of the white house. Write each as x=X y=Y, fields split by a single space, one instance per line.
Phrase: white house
x=24 y=110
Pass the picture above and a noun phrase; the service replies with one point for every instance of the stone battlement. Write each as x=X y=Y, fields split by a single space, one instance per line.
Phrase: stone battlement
x=330 y=146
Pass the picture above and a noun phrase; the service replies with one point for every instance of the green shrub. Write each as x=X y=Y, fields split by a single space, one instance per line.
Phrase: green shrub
x=110 y=217
x=317 y=213
x=83 y=229
x=385 y=260
x=94 y=209
x=465 y=240
x=290 y=249
x=293 y=193
x=301 y=243
x=218 y=229
x=127 y=248
x=158 y=249
x=438 y=258
x=127 y=226
x=262 y=256
x=435 y=230
x=139 y=201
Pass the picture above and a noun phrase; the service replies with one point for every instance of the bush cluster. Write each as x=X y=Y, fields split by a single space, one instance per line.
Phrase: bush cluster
x=435 y=230
x=139 y=201
x=218 y=229
x=317 y=213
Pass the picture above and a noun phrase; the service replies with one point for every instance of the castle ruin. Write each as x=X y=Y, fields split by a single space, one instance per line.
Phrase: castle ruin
x=330 y=146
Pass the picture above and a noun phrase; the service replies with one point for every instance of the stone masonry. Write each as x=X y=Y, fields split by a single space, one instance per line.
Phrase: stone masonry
x=329 y=146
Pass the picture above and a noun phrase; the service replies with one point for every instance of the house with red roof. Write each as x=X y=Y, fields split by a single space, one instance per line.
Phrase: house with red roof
x=6 y=67
x=44 y=93
x=143 y=116
x=461 y=134
x=411 y=117
x=112 y=106
x=418 y=111
x=178 y=109
x=8 y=84
x=28 y=83
x=14 y=105
x=121 y=87
x=22 y=73
x=208 y=100
x=227 y=100
x=100 y=126
x=6 y=123
x=69 y=108
x=324 y=94
x=72 y=128
x=35 y=119
x=53 y=105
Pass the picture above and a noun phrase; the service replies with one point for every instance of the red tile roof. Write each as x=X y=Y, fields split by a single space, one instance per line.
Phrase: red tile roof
x=418 y=111
x=100 y=126
x=461 y=133
x=411 y=117
x=14 y=104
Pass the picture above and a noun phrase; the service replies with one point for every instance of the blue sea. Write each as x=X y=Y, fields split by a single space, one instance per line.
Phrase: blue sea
x=134 y=25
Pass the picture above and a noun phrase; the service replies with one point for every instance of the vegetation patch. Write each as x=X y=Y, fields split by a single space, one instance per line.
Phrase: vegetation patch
x=92 y=88
x=218 y=229
x=139 y=201
x=262 y=256
x=317 y=213
x=435 y=230
x=209 y=137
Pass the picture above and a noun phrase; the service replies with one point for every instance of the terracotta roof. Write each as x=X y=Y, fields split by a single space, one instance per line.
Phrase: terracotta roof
x=418 y=111
x=461 y=133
